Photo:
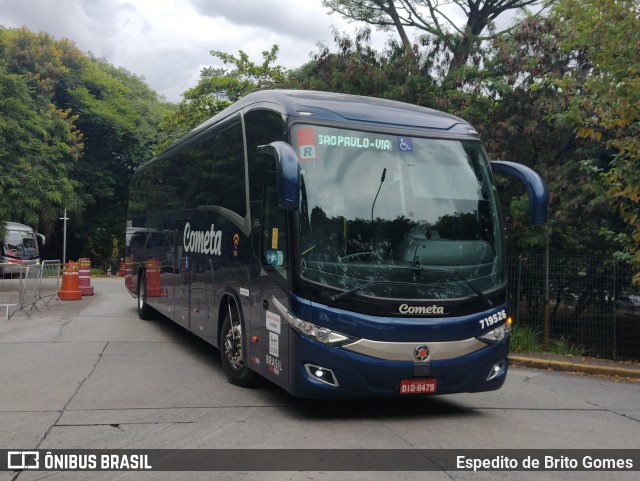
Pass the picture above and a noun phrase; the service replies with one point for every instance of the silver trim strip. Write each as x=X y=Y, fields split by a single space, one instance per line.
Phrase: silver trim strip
x=404 y=351
x=401 y=351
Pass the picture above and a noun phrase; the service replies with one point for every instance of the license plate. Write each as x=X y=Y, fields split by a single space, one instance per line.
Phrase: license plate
x=417 y=386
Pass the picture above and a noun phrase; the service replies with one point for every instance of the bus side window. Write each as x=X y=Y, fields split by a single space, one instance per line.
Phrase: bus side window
x=274 y=232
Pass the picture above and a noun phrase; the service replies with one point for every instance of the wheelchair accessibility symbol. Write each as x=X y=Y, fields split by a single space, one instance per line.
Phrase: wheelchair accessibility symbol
x=405 y=144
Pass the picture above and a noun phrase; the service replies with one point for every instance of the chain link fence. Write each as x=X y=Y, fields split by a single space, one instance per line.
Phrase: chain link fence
x=587 y=302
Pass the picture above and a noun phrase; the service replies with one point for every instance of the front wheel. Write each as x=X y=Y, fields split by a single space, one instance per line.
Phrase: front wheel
x=232 y=353
x=145 y=311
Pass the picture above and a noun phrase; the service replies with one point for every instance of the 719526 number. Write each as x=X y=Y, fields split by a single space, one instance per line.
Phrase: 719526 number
x=493 y=319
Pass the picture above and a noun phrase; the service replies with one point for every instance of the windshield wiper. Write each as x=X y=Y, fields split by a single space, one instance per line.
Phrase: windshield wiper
x=481 y=295
x=335 y=297
x=487 y=302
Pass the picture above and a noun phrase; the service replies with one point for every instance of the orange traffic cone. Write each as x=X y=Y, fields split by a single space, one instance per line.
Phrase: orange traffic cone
x=69 y=290
x=84 y=277
x=153 y=278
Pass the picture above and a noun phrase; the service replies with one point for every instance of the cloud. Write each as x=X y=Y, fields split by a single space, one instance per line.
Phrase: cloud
x=296 y=19
x=168 y=41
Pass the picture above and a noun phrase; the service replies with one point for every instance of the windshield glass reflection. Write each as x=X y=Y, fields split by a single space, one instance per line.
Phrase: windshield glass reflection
x=415 y=217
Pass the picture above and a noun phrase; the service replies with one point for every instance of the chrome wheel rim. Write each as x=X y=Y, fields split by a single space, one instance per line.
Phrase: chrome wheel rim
x=233 y=346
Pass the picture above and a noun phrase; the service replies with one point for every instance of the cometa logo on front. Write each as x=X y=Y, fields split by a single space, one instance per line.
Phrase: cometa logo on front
x=407 y=309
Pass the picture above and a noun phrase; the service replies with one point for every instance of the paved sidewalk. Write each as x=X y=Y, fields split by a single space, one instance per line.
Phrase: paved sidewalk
x=627 y=370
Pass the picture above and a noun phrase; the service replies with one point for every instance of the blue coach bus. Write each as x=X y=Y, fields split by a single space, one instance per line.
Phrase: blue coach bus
x=339 y=246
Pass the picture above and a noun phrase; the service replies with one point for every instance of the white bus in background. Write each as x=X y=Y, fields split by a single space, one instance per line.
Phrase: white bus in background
x=19 y=244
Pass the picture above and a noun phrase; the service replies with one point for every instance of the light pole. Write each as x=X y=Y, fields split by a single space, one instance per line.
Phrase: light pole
x=64 y=237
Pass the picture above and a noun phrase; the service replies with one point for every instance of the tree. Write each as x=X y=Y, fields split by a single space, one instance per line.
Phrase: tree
x=72 y=130
x=118 y=115
x=39 y=143
x=220 y=87
x=356 y=68
x=524 y=124
x=436 y=19
x=605 y=106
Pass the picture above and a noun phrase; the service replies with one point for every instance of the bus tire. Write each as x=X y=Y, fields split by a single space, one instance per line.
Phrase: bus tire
x=145 y=311
x=232 y=353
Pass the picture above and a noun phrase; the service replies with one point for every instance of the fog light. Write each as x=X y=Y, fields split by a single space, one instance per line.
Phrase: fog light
x=321 y=374
x=495 y=371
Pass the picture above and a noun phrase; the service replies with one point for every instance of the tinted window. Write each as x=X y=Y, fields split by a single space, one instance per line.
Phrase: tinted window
x=208 y=170
x=213 y=171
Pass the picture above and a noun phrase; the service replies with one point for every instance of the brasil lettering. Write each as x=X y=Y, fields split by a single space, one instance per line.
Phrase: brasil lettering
x=273 y=364
x=355 y=142
x=202 y=242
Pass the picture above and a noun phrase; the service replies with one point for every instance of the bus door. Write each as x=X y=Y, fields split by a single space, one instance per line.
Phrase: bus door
x=202 y=297
x=194 y=295
x=273 y=329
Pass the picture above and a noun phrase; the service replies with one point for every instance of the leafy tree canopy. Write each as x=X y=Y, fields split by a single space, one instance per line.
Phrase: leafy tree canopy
x=72 y=130
x=437 y=19
x=605 y=106
x=220 y=87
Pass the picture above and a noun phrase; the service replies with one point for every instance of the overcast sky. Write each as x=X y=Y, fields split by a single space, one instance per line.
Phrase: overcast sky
x=168 y=41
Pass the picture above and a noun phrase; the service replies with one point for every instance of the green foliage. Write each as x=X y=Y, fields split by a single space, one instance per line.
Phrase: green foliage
x=38 y=145
x=510 y=91
x=525 y=339
x=455 y=41
x=72 y=130
x=521 y=74
x=564 y=347
x=220 y=87
x=604 y=106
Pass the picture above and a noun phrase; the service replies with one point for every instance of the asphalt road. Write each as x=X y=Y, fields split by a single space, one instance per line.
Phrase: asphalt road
x=90 y=374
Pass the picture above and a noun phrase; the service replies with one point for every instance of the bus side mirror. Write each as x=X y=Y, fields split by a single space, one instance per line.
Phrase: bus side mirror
x=288 y=168
x=43 y=239
x=536 y=188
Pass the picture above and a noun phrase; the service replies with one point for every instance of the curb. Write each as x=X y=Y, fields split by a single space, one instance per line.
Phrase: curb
x=555 y=365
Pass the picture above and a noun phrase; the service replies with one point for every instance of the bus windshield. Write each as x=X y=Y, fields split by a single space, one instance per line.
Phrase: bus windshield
x=395 y=216
x=20 y=245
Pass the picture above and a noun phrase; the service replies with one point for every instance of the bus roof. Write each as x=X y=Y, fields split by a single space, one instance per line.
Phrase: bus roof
x=18 y=226
x=328 y=106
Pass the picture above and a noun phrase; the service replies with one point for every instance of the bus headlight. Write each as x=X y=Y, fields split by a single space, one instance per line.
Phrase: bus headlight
x=496 y=335
x=308 y=329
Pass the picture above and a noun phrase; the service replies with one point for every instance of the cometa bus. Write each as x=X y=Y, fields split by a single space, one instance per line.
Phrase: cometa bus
x=339 y=246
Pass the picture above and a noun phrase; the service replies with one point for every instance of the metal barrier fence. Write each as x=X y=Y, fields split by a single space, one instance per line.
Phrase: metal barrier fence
x=10 y=288
x=22 y=287
x=49 y=283
x=588 y=303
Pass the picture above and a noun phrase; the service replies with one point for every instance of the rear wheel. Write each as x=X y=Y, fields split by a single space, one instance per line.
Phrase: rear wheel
x=232 y=353
x=145 y=311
